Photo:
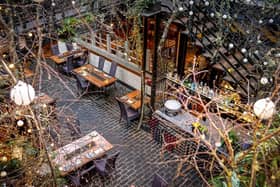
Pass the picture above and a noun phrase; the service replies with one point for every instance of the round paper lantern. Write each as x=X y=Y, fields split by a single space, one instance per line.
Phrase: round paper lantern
x=22 y=93
x=264 y=108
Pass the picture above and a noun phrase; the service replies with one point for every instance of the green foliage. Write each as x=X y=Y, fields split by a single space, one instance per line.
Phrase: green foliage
x=10 y=165
x=70 y=25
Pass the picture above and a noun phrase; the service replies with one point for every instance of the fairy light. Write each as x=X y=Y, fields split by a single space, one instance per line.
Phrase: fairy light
x=20 y=123
x=30 y=34
x=73 y=2
x=11 y=66
x=243 y=50
x=4 y=159
x=53 y=3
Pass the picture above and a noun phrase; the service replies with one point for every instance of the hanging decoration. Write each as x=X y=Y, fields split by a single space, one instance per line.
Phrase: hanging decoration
x=22 y=93
x=264 y=108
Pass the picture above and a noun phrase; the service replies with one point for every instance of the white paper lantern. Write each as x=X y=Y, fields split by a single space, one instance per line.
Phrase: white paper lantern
x=22 y=93
x=264 y=108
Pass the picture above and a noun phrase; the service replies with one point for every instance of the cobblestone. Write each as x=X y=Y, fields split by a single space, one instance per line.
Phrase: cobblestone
x=140 y=156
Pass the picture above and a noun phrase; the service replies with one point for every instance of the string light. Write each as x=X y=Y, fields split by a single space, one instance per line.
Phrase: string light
x=11 y=66
x=230 y=46
x=4 y=159
x=30 y=34
x=224 y=16
x=53 y=3
x=191 y=2
x=270 y=20
x=3 y=174
x=265 y=63
x=20 y=123
x=245 y=60
x=212 y=14
x=264 y=80
x=73 y=2
x=181 y=8
x=206 y=3
x=191 y=13
x=243 y=50
x=260 y=21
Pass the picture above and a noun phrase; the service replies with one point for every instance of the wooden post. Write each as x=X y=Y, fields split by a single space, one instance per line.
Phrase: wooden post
x=155 y=63
x=126 y=50
x=93 y=40
x=108 y=42
x=143 y=75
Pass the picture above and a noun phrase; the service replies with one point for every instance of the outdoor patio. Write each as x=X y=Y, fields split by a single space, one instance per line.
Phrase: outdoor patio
x=140 y=156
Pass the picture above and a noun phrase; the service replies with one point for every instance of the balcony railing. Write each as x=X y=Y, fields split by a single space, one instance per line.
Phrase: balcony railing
x=117 y=47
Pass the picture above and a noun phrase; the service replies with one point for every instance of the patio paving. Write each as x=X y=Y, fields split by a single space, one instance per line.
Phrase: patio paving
x=140 y=156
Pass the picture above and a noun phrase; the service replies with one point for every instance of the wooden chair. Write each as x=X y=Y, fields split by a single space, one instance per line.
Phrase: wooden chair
x=101 y=63
x=82 y=84
x=105 y=166
x=55 y=50
x=68 y=66
x=127 y=113
x=159 y=181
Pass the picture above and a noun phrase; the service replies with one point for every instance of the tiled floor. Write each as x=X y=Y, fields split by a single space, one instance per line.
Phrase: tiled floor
x=140 y=156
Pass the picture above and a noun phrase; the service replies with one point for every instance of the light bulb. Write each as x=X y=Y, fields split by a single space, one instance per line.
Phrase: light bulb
x=53 y=3
x=265 y=63
x=260 y=21
x=218 y=144
x=191 y=13
x=245 y=60
x=20 y=123
x=264 y=80
x=224 y=16
x=230 y=45
x=30 y=34
x=207 y=3
x=243 y=50
x=4 y=159
x=3 y=174
x=181 y=8
x=212 y=14
x=11 y=66
x=191 y=2
x=73 y=2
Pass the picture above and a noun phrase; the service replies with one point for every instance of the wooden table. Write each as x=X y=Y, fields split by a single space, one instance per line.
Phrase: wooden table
x=83 y=150
x=95 y=76
x=133 y=99
x=59 y=59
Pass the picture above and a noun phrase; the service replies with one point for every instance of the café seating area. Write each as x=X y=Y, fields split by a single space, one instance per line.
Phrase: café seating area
x=137 y=153
x=139 y=93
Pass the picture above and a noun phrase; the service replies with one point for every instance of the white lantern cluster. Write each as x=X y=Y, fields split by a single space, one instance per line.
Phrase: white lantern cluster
x=22 y=93
x=264 y=108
